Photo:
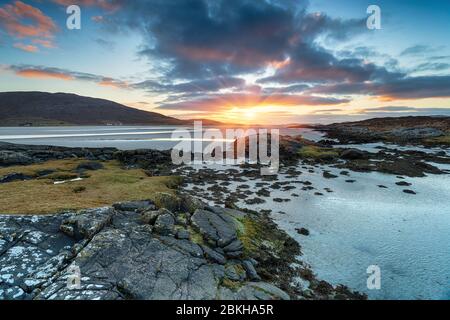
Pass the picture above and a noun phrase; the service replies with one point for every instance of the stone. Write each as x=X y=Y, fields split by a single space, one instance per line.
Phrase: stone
x=236 y=245
x=261 y=291
x=136 y=206
x=183 y=234
x=213 y=255
x=215 y=226
x=164 y=224
x=150 y=216
x=91 y=165
x=120 y=257
x=353 y=154
x=14 y=177
x=250 y=269
x=235 y=272
x=10 y=158
x=190 y=204
x=167 y=201
x=302 y=231
x=88 y=223
x=329 y=175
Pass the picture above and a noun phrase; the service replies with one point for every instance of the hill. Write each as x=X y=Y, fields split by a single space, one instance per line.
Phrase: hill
x=42 y=108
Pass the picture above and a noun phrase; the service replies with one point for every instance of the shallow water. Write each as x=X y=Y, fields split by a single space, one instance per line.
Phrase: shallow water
x=120 y=137
x=360 y=224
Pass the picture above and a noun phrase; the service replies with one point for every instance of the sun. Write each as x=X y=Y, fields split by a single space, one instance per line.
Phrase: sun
x=249 y=114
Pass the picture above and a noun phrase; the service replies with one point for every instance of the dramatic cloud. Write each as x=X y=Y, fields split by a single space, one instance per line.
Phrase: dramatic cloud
x=104 y=4
x=229 y=37
x=217 y=55
x=196 y=86
x=397 y=88
x=24 y=21
x=224 y=102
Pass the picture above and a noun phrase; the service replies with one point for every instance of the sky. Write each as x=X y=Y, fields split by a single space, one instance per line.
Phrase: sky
x=239 y=61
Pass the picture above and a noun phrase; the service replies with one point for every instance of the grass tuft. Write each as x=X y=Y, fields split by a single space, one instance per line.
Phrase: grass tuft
x=318 y=153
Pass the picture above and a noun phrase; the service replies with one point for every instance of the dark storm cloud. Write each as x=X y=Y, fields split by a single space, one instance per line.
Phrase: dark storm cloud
x=204 y=85
x=221 y=102
x=399 y=88
x=230 y=37
x=200 y=47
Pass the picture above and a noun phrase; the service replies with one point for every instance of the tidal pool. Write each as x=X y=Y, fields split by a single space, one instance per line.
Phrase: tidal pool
x=360 y=224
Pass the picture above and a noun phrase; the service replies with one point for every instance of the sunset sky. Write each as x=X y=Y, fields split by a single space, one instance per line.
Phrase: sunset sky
x=256 y=61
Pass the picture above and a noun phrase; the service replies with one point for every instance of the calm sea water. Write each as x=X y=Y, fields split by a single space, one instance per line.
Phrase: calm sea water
x=124 y=138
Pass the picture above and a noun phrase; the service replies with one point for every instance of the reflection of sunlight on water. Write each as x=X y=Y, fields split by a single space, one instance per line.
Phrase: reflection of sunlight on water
x=75 y=135
x=191 y=139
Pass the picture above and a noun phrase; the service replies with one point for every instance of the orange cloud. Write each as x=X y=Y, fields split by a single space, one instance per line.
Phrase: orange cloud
x=30 y=73
x=44 y=43
x=108 y=82
x=26 y=47
x=104 y=4
x=14 y=18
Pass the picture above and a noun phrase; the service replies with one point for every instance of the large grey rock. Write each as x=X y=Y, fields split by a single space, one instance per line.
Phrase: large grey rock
x=10 y=158
x=353 y=154
x=164 y=224
x=417 y=133
x=261 y=291
x=118 y=257
x=14 y=177
x=216 y=227
x=136 y=206
x=87 y=223
x=137 y=266
x=250 y=269
x=213 y=255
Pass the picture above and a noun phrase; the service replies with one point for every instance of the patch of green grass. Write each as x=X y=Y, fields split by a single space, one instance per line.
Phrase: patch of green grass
x=196 y=236
x=443 y=140
x=103 y=187
x=317 y=153
x=230 y=284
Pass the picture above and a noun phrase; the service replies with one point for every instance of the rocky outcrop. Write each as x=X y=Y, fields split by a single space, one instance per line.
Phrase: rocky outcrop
x=15 y=154
x=129 y=251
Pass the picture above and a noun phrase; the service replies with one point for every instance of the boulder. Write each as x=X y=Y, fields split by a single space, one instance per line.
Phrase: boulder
x=10 y=158
x=14 y=177
x=135 y=206
x=91 y=165
x=216 y=227
x=167 y=201
x=353 y=154
x=302 y=231
x=87 y=224
x=213 y=255
x=261 y=291
x=183 y=235
x=164 y=224
x=251 y=271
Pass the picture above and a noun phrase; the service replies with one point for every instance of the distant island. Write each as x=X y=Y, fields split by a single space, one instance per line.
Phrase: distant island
x=59 y=109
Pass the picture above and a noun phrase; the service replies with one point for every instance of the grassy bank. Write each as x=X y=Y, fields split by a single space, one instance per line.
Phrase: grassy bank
x=101 y=187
